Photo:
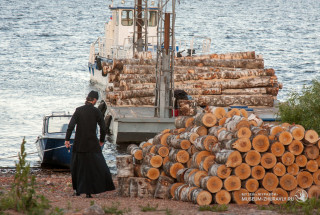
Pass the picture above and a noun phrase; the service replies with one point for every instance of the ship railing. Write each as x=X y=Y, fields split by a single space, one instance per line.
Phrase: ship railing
x=102 y=46
x=198 y=45
x=97 y=48
x=123 y=52
x=206 y=44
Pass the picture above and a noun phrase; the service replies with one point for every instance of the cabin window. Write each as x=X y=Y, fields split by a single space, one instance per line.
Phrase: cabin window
x=127 y=18
x=153 y=19
x=58 y=124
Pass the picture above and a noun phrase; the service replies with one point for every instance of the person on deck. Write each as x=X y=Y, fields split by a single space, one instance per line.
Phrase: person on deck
x=89 y=170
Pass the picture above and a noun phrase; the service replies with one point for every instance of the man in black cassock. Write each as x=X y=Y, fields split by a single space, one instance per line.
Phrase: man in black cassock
x=89 y=170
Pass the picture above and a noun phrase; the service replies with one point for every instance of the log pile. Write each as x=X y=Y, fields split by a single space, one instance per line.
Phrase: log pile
x=214 y=80
x=222 y=157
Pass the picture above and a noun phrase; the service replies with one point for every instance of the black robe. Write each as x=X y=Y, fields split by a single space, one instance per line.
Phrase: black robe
x=89 y=170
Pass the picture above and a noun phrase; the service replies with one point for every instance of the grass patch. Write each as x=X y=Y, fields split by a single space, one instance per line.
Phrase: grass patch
x=148 y=208
x=69 y=206
x=57 y=211
x=114 y=209
x=22 y=196
x=214 y=208
x=309 y=207
x=303 y=108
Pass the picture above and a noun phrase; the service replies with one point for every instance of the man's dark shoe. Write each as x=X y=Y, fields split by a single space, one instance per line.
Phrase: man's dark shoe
x=88 y=196
x=76 y=194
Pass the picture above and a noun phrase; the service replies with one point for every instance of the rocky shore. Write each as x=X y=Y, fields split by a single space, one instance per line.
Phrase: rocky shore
x=56 y=186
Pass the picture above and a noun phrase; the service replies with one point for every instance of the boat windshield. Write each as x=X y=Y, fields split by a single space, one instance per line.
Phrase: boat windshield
x=58 y=124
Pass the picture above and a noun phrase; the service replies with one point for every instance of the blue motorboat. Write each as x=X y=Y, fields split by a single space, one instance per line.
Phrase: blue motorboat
x=50 y=144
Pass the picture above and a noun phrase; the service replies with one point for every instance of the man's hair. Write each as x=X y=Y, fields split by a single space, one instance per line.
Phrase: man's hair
x=89 y=100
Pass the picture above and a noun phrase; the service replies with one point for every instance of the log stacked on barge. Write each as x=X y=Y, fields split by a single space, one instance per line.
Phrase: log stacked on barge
x=214 y=80
x=223 y=157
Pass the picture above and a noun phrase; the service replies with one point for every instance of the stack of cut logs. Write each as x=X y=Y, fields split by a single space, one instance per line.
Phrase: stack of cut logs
x=218 y=156
x=217 y=80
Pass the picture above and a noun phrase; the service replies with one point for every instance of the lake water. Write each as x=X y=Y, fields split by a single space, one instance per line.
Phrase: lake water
x=44 y=50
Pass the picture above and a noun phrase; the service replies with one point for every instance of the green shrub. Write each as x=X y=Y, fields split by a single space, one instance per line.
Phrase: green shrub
x=22 y=196
x=303 y=108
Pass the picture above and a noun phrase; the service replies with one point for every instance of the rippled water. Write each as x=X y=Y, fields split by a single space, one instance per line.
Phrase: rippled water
x=44 y=48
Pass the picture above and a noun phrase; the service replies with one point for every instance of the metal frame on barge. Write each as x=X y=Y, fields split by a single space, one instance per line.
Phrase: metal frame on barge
x=130 y=33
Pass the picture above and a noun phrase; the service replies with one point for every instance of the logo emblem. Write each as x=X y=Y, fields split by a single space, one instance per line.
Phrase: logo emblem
x=301 y=195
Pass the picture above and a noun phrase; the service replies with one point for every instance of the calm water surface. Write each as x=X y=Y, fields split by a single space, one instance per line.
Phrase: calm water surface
x=44 y=48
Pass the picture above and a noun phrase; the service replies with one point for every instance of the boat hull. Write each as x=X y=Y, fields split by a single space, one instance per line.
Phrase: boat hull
x=60 y=157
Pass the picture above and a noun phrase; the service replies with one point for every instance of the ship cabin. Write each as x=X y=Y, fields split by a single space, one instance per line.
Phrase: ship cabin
x=120 y=35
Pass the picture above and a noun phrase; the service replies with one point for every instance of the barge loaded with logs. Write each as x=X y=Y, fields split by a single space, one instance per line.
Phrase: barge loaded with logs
x=142 y=71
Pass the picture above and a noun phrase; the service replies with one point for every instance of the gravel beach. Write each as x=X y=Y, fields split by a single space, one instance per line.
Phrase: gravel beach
x=57 y=187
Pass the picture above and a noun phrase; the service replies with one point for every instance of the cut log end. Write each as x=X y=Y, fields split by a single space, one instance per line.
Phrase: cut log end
x=304 y=179
x=244 y=132
x=280 y=196
x=288 y=182
x=212 y=183
x=296 y=147
x=243 y=171
x=252 y=185
x=260 y=143
x=270 y=181
x=312 y=166
x=288 y=158
x=261 y=201
x=205 y=119
x=276 y=130
x=297 y=132
x=153 y=173
x=258 y=172
x=201 y=197
x=311 y=152
x=279 y=169
x=232 y=183
x=277 y=149
x=242 y=144
x=316 y=177
x=311 y=136
x=241 y=197
x=301 y=160
x=253 y=158
x=234 y=159
x=314 y=192
x=285 y=137
x=268 y=160
x=293 y=169
x=222 y=197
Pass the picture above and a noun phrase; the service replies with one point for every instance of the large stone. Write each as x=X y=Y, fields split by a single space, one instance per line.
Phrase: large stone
x=93 y=210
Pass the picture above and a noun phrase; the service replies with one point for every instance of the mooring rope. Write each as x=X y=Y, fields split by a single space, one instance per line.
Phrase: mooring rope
x=4 y=158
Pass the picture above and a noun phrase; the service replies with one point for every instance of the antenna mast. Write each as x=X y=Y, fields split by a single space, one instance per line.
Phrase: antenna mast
x=165 y=59
x=140 y=35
